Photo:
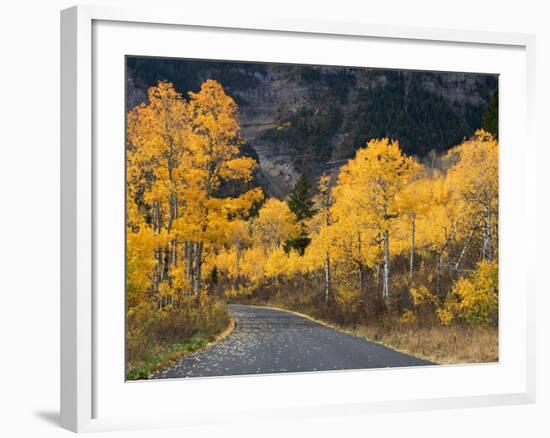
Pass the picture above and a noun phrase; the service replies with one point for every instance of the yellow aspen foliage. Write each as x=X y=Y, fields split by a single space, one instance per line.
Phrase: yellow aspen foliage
x=179 y=154
x=240 y=290
x=387 y=232
x=276 y=263
x=369 y=187
x=474 y=299
x=377 y=175
x=213 y=145
x=320 y=226
x=253 y=264
x=416 y=200
x=140 y=262
x=322 y=242
x=407 y=318
x=157 y=135
x=422 y=296
x=474 y=178
x=275 y=224
x=348 y=300
x=227 y=261
x=352 y=239
x=475 y=170
x=437 y=226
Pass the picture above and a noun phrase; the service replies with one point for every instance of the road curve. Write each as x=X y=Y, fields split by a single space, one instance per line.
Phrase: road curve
x=267 y=340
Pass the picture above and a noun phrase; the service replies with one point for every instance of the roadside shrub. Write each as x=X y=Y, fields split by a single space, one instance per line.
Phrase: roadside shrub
x=150 y=329
x=421 y=296
x=348 y=302
x=408 y=318
x=239 y=291
x=425 y=303
x=474 y=299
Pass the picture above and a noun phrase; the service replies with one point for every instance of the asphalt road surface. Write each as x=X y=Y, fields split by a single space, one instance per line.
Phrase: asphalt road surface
x=268 y=341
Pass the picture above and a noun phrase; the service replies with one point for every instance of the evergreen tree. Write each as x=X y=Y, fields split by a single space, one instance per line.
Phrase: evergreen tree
x=300 y=199
x=301 y=204
x=490 y=117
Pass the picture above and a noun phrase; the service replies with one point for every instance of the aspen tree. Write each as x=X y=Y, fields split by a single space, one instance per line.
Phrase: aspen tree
x=325 y=203
x=375 y=177
x=475 y=178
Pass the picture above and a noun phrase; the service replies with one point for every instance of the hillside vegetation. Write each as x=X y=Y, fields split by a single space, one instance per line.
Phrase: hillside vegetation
x=313 y=118
x=395 y=248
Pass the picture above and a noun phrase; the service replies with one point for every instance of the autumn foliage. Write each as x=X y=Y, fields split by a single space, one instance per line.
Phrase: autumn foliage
x=389 y=235
x=386 y=235
x=179 y=152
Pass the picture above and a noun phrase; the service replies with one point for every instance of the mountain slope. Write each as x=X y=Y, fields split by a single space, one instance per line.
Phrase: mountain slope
x=312 y=119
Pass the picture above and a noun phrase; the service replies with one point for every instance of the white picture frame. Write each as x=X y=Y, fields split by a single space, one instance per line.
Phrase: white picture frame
x=81 y=366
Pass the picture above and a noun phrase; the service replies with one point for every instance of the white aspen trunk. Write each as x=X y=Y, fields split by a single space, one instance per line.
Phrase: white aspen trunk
x=464 y=249
x=386 y=284
x=411 y=267
x=175 y=252
x=327 y=278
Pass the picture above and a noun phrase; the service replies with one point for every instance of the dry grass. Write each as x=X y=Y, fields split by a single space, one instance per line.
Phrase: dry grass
x=166 y=357
x=156 y=338
x=442 y=345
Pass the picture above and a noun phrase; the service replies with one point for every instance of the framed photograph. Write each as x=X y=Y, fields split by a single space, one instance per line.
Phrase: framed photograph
x=264 y=207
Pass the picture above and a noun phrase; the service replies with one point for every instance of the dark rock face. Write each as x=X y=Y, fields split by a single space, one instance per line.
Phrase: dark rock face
x=312 y=118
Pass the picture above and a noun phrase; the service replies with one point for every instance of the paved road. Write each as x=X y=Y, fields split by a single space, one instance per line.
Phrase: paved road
x=274 y=341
